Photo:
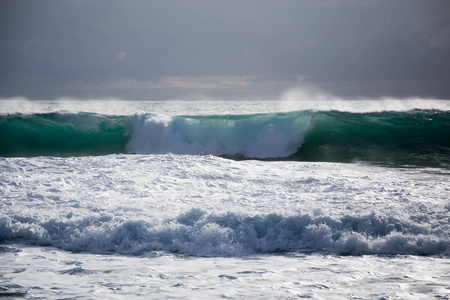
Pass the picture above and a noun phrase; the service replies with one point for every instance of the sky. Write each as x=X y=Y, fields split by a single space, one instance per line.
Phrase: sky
x=227 y=49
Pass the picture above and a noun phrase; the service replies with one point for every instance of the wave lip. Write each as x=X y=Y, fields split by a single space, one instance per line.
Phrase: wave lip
x=246 y=136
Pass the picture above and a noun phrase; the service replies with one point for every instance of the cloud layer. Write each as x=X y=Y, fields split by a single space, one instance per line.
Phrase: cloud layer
x=226 y=49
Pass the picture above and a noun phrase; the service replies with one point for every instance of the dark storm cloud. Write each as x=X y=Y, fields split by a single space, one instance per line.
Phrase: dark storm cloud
x=164 y=49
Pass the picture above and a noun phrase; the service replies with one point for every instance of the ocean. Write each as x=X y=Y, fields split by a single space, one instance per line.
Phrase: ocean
x=225 y=199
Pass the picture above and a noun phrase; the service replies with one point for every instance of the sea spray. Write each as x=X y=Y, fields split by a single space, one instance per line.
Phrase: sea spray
x=245 y=136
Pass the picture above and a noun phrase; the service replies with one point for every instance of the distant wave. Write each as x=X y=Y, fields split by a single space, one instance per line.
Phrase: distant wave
x=416 y=137
x=200 y=234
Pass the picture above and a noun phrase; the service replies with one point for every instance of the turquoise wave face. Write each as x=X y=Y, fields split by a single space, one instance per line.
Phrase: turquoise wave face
x=418 y=137
x=61 y=135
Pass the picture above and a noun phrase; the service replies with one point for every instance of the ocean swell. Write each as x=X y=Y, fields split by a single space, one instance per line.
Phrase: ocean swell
x=417 y=137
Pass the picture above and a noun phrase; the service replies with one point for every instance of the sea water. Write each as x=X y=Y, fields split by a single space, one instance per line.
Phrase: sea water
x=225 y=199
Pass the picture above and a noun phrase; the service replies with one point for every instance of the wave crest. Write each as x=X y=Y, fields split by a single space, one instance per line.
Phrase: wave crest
x=417 y=137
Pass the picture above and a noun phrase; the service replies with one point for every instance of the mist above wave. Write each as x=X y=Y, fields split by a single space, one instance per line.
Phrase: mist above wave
x=290 y=101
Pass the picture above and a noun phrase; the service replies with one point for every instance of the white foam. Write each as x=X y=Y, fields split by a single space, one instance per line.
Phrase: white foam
x=35 y=272
x=257 y=136
x=208 y=206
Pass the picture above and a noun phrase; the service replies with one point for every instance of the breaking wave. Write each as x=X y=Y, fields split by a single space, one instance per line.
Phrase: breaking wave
x=416 y=137
x=200 y=234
